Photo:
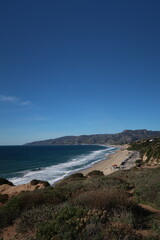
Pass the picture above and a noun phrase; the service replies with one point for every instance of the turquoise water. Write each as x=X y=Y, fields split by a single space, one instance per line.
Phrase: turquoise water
x=21 y=164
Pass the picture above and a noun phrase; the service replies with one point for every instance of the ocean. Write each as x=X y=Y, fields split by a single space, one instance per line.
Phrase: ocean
x=21 y=164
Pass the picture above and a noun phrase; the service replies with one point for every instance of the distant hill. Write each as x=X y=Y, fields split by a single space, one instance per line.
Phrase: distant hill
x=127 y=136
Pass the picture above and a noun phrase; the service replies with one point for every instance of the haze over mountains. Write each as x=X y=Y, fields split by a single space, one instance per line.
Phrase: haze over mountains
x=126 y=136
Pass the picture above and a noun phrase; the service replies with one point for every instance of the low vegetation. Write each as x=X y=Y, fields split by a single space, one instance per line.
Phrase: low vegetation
x=95 y=173
x=121 y=206
x=92 y=207
x=3 y=198
x=15 y=206
x=145 y=183
x=5 y=181
x=34 y=182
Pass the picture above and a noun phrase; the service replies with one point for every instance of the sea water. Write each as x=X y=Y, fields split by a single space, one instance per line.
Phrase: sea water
x=21 y=164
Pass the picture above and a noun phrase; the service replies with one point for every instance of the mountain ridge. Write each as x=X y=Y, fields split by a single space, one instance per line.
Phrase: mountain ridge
x=126 y=136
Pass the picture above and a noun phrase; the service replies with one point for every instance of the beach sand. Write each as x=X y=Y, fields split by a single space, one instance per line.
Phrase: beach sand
x=120 y=155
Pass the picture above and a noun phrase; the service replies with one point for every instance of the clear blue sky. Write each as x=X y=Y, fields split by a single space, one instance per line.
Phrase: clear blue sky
x=78 y=67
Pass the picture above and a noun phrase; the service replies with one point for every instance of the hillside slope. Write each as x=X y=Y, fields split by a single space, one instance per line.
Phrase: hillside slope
x=92 y=207
x=149 y=150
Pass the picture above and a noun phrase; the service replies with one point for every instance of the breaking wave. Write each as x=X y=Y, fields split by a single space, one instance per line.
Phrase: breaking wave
x=58 y=171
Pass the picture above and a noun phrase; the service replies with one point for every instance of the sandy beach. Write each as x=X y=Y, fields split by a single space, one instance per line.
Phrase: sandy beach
x=121 y=159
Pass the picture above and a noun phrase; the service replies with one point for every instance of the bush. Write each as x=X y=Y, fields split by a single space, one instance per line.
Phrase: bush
x=78 y=222
x=151 y=238
x=34 y=182
x=24 y=201
x=106 y=182
x=149 y=148
x=74 y=176
x=95 y=173
x=46 y=184
x=138 y=161
x=40 y=197
x=121 y=231
x=147 y=185
x=155 y=224
x=77 y=186
x=3 y=198
x=104 y=199
x=122 y=216
x=92 y=232
x=66 y=224
x=9 y=212
x=32 y=218
x=5 y=181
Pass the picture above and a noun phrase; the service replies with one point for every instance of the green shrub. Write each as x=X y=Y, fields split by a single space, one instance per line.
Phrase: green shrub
x=9 y=212
x=151 y=238
x=149 y=148
x=78 y=222
x=27 y=200
x=104 y=199
x=40 y=197
x=95 y=173
x=139 y=161
x=74 y=186
x=122 y=216
x=46 y=184
x=74 y=176
x=117 y=231
x=155 y=224
x=34 y=182
x=5 y=181
x=66 y=224
x=92 y=232
x=3 y=198
x=146 y=183
x=31 y=219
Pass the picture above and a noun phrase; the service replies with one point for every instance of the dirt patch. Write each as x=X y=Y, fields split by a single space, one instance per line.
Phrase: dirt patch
x=15 y=190
x=8 y=232
x=149 y=208
x=150 y=167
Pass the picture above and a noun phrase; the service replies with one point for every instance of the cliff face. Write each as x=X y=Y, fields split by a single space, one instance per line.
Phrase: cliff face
x=149 y=150
x=124 y=137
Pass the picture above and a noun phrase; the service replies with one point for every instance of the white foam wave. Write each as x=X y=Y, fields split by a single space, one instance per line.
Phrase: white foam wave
x=56 y=172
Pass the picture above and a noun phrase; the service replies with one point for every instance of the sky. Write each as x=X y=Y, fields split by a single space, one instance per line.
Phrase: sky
x=78 y=67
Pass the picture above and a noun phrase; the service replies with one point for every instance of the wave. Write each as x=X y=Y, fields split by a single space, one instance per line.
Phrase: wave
x=36 y=169
x=56 y=172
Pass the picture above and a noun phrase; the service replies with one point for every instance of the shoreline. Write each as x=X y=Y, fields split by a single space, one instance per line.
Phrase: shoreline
x=120 y=159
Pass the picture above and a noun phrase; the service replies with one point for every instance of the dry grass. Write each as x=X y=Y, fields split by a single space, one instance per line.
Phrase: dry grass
x=104 y=199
